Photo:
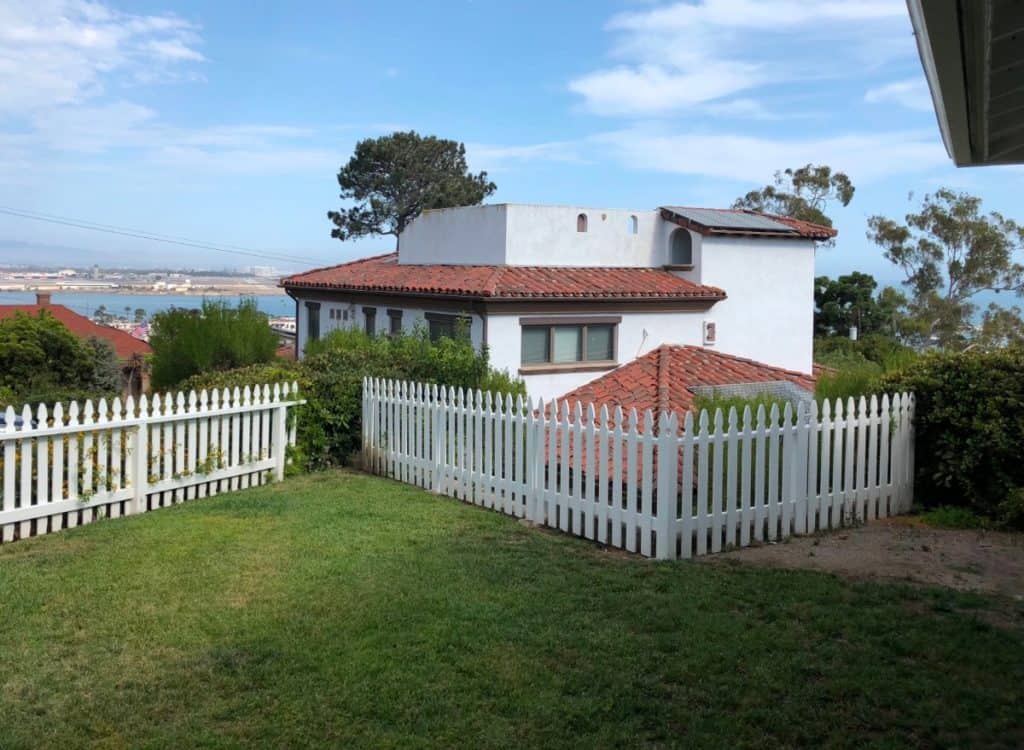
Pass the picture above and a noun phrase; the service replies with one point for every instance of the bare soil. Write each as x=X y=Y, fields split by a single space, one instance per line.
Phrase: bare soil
x=903 y=549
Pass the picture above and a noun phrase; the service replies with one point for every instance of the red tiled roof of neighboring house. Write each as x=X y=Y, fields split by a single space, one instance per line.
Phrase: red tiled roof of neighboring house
x=383 y=273
x=125 y=345
x=661 y=379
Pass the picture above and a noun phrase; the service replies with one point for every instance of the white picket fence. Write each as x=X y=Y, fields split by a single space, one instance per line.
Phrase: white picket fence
x=63 y=467
x=647 y=484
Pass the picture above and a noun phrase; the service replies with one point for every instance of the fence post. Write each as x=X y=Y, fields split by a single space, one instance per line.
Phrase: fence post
x=140 y=459
x=280 y=439
x=668 y=465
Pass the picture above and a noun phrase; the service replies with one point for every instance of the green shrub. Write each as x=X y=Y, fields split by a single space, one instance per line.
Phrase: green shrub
x=330 y=424
x=218 y=337
x=953 y=517
x=858 y=365
x=278 y=371
x=41 y=361
x=969 y=425
x=714 y=401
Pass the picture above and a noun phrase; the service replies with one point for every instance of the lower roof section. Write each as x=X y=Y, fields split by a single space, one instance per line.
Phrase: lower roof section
x=384 y=274
x=663 y=379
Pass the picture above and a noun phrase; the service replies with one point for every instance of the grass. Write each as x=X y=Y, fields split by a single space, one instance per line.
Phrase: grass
x=952 y=517
x=340 y=610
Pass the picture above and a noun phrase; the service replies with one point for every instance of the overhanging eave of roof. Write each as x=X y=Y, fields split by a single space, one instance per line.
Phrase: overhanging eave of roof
x=972 y=52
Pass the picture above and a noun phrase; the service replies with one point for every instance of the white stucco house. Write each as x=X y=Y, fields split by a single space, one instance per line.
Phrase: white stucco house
x=563 y=295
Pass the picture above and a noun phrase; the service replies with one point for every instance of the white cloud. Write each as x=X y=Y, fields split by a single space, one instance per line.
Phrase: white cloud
x=497 y=157
x=863 y=156
x=687 y=54
x=56 y=52
x=911 y=93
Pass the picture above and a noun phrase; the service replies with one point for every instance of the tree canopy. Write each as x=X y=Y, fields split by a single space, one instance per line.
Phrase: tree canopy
x=42 y=361
x=949 y=252
x=803 y=193
x=850 y=300
x=218 y=337
x=394 y=178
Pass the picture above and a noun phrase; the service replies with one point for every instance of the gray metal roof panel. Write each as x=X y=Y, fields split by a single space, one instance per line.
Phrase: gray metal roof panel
x=738 y=220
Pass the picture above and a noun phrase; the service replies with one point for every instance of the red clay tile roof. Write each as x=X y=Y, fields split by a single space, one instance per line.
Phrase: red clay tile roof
x=383 y=273
x=124 y=344
x=660 y=380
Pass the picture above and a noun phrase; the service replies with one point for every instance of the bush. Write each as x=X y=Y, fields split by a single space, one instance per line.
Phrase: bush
x=278 y=371
x=858 y=365
x=969 y=425
x=331 y=422
x=187 y=343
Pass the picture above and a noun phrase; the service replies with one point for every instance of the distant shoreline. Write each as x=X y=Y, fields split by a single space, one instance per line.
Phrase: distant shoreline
x=260 y=291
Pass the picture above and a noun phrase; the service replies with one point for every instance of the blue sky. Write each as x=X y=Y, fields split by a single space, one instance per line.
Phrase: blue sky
x=226 y=122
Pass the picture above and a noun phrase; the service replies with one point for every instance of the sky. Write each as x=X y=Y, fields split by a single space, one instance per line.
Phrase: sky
x=227 y=122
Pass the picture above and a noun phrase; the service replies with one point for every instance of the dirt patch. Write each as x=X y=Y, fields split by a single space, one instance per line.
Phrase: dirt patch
x=902 y=549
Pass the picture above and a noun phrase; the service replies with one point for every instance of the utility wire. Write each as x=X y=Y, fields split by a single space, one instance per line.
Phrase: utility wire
x=139 y=234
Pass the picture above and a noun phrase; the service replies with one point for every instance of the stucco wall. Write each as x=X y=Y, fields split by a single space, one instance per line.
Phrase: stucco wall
x=473 y=235
x=411 y=316
x=769 y=315
x=529 y=235
x=638 y=334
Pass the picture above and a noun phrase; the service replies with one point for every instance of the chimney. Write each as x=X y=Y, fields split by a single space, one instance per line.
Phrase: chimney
x=43 y=299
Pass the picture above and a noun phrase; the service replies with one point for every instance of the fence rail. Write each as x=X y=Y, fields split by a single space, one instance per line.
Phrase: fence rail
x=63 y=467
x=646 y=483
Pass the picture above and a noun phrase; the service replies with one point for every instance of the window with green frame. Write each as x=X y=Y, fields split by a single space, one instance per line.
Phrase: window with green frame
x=553 y=342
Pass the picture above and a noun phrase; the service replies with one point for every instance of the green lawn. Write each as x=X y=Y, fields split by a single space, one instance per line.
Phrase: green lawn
x=339 y=610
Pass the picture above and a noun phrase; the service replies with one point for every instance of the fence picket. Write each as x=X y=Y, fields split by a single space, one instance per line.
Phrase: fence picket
x=717 y=480
x=744 y=467
x=701 y=527
x=686 y=525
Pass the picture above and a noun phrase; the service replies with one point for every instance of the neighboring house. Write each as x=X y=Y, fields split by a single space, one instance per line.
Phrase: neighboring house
x=561 y=295
x=131 y=352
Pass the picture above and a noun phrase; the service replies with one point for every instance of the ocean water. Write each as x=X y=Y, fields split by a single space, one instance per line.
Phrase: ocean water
x=85 y=303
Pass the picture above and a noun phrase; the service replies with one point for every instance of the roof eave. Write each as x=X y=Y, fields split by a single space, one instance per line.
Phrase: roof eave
x=939 y=45
x=509 y=297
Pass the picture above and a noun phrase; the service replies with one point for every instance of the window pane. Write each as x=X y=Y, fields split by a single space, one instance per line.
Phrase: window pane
x=442 y=328
x=568 y=344
x=535 y=345
x=599 y=343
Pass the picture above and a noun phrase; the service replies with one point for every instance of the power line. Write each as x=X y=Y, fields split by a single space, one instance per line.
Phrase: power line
x=140 y=234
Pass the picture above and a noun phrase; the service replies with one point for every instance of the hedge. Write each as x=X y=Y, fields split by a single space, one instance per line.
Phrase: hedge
x=969 y=431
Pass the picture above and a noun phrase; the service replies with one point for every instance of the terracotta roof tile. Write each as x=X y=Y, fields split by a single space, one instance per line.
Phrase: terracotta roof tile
x=125 y=345
x=661 y=379
x=383 y=273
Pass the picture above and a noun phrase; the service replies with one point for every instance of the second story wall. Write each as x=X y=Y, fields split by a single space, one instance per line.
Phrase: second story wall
x=473 y=235
x=533 y=235
x=769 y=313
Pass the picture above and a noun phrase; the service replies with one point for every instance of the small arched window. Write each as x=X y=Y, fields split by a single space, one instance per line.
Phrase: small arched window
x=581 y=223
x=634 y=225
x=681 y=251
